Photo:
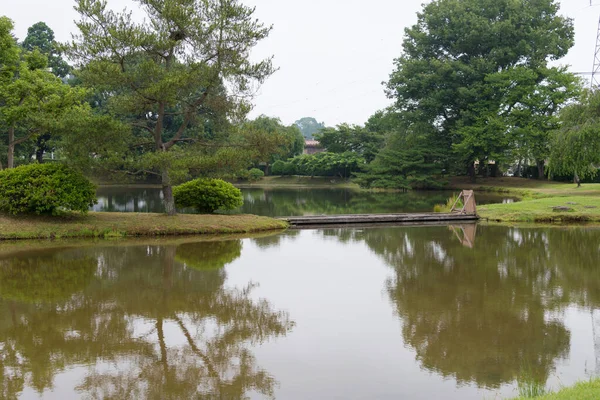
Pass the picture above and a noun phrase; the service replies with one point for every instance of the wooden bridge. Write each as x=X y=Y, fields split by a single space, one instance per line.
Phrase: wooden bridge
x=467 y=213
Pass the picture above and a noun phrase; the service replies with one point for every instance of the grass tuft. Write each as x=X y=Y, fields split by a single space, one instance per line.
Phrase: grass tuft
x=589 y=390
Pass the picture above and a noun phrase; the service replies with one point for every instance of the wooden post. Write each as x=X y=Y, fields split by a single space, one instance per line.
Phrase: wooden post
x=469 y=205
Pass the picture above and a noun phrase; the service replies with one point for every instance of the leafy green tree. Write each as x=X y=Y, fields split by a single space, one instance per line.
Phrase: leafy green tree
x=9 y=57
x=269 y=140
x=309 y=126
x=536 y=96
x=342 y=165
x=355 y=139
x=403 y=164
x=32 y=99
x=174 y=65
x=452 y=58
x=41 y=37
x=383 y=122
x=576 y=144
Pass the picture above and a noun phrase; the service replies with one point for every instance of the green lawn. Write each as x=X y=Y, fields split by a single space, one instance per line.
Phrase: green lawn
x=537 y=200
x=107 y=224
x=582 y=391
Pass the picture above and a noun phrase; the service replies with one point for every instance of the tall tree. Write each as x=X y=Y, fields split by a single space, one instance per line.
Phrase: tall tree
x=576 y=144
x=41 y=37
x=451 y=58
x=9 y=57
x=32 y=99
x=353 y=138
x=269 y=140
x=173 y=64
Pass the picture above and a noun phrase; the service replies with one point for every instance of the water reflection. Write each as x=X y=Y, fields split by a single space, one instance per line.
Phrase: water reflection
x=286 y=202
x=488 y=313
x=148 y=321
x=463 y=310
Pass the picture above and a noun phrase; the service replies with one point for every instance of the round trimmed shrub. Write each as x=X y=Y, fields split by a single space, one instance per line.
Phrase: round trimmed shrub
x=255 y=174
x=45 y=189
x=208 y=195
x=278 y=167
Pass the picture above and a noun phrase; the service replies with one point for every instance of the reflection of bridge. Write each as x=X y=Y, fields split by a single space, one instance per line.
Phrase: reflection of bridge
x=461 y=212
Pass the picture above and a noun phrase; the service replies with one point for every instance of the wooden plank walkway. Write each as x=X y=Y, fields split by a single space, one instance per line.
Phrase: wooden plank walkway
x=373 y=219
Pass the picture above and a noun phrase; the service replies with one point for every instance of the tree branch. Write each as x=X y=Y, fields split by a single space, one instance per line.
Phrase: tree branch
x=186 y=120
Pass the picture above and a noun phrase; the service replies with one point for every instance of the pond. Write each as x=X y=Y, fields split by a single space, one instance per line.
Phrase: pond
x=288 y=202
x=459 y=312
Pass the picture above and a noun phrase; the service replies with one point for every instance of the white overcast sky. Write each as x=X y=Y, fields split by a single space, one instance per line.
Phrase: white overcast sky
x=332 y=55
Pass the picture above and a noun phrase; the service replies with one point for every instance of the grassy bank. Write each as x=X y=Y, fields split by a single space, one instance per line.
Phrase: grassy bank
x=106 y=224
x=582 y=391
x=538 y=200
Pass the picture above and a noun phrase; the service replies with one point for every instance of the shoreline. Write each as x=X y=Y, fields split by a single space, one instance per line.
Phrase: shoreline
x=536 y=198
x=584 y=390
x=538 y=201
x=120 y=225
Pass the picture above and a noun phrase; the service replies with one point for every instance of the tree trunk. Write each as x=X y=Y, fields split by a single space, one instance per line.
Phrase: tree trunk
x=11 y=147
x=39 y=155
x=167 y=190
x=577 y=180
x=540 y=166
x=471 y=172
x=518 y=172
x=494 y=170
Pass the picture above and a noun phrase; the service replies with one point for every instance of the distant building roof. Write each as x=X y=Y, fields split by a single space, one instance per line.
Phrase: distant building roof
x=312 y=143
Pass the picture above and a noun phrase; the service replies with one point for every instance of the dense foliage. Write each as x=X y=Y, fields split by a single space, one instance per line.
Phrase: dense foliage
x=474 y=77
x=576 y=145
x=32 y=99
x=341 y=165
x=403 y=165
x=176 y=76
x=344 y=138
x=208 y=195
x=44 y=189
x=268 y=140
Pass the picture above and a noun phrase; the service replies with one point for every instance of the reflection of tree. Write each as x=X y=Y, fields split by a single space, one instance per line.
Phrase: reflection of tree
x=271 y=241
x=286 y=202
x=125 y=317
x=44 y=276
x=481 y=314
x=208 y=255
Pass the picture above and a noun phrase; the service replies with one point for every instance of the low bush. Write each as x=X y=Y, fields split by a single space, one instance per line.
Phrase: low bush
x=255 y=174
x=45 y=189
x=278 y=167
x=283 y=168
x=208 y=195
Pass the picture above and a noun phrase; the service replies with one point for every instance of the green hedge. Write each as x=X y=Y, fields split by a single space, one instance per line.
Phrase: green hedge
x=208 y=195
x=45 y=189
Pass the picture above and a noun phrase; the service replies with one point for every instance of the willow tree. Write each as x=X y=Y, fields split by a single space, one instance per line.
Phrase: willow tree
x=576 y=143
x=171 y=66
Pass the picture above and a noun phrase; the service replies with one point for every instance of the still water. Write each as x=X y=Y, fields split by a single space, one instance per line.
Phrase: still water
x=457 y=312
x=287 y=202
